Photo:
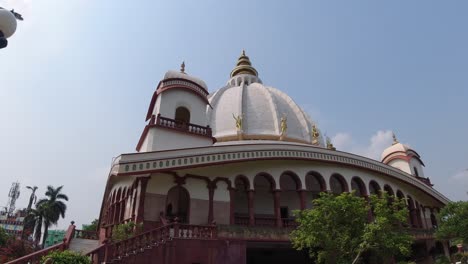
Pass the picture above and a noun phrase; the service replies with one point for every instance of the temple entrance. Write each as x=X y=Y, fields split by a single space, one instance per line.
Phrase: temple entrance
x=275 y=253
x=178 y=204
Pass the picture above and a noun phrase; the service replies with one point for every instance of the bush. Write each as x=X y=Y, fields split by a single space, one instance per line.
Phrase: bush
x=442 y=260
x=462 y=257
x=125 y=231
x=65 y=257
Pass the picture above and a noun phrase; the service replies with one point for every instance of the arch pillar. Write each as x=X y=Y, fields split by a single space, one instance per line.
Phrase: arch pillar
x=276 y=197
x=250 y=195
x=143 y=183
x=302 y=198
x=232 y=205
x=211 y=188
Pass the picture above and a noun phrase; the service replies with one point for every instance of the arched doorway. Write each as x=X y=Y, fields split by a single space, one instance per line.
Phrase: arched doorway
x=182 y=115
x=314 y=185
x=241 y=200
x=178 y=204
x=338 y=184
x=374 y=188
x=359 y=187
x=412 y=213
x=264 y=207
x=390 y=193
x=290 y=199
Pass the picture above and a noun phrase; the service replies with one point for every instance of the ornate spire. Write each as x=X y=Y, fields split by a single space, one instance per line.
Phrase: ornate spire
x=244 y=66
x=395 y=140
x=182 y=67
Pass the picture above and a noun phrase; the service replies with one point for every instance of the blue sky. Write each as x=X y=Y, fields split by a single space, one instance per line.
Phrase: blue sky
x=78 y=75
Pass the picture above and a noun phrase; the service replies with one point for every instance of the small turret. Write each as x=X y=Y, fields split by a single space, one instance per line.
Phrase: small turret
x=404 y=158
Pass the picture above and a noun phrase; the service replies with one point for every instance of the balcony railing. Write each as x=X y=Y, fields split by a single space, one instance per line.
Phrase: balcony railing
x=184 y=127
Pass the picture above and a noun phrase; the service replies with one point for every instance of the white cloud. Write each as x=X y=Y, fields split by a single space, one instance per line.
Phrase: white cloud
x=373 y=149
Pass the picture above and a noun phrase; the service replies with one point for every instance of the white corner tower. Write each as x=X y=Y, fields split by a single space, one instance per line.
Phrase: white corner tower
x=402 y=157
x=177 y=114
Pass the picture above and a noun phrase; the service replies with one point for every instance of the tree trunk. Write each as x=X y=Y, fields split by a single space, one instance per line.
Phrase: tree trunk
x=357 y=257
x=46 y=233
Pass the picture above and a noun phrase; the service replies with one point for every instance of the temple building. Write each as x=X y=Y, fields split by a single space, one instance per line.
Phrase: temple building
x=216 y=176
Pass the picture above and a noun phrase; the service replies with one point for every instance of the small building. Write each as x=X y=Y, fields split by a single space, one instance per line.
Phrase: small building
x=54 y=237
x=216 y=176
x=13 y=223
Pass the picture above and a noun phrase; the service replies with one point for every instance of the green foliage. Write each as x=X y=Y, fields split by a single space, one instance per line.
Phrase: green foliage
x=453 y=221
x=462 y=257
x=3 y=237
x=441 y=259
x=65 y=257
x=337 y=230
x=52 y=207
x=91 y=227
x=125 y=231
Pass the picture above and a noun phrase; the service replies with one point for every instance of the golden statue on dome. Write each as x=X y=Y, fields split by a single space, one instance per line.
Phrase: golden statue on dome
x=330 y=144
x=315 y=135
x=238 y=119
x=284 y=124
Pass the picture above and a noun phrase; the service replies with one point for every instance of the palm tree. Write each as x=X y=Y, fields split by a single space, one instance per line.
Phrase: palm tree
x=53 y=207
x=33 y=222
x=32 y=197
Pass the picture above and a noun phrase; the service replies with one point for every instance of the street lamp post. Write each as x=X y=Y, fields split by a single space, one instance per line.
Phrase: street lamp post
x=7 y=25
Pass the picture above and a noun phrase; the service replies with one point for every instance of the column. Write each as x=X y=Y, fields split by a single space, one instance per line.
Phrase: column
x=232 y=205
x=250 y=194
x=134 y=193
x=211 y=188
x=302 y=197
x=143 y=182
x=276 y=197
x=424 y=220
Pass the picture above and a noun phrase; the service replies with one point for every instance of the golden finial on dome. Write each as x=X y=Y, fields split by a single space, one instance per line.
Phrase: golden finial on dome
x=182 y=67
x=244 y=66
x=395 y=140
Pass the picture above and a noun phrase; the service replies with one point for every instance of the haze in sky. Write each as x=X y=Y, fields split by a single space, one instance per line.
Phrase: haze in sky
x=77 y=78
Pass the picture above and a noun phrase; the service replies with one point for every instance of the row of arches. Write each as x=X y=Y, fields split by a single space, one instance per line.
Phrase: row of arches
x=121 y=205
x=265 y=199
x=258 y=200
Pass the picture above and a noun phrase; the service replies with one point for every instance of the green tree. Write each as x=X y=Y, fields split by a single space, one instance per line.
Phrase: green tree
x=33 y=223
x=125 y=231
x=453 y=221
x=337 y=229
x=3 y=237
x=32 y=197
x=53 y=207
x=65 y=257
x=91 y=227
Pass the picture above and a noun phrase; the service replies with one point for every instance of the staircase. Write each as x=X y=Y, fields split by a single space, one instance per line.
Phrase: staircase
x=154 y=246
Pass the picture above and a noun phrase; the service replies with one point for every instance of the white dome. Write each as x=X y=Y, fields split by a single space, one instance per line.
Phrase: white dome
x=7 y=23
x=261 y=108
x=398 y=147
x=181 y=75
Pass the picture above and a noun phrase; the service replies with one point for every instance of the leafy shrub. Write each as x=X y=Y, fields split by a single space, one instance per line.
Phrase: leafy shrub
x=65 y=257
x=462 y=257
x=15 y=248
x=441 y=259
x=125 y=231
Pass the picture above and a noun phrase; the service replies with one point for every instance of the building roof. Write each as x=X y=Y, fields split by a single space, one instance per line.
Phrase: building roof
x=266 y=113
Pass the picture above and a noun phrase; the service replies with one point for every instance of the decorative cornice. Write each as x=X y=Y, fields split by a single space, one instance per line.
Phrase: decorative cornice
x=152 y=162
